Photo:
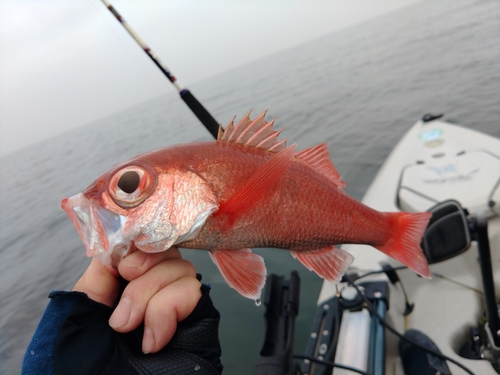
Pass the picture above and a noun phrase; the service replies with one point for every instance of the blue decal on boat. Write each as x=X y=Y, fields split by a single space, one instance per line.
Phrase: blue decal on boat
x=430 y=135
x=443 y=169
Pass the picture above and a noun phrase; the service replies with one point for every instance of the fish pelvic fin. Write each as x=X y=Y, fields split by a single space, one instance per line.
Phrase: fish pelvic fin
x=256 y=187
x=318 y=157
x=329 y=262
x=242 y=270
x=256 y=133
x=404 y=246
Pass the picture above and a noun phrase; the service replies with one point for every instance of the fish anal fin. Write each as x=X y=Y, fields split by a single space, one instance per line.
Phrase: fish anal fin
x=255 y=188
x=329 y=262
x=242 y=270
x=318 y=157
x=257 y=133
x=404 y=246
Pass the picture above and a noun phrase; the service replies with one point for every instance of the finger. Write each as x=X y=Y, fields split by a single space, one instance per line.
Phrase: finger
x=171 y=305
x=138 y=263
x=132 y=306
x=100 y=284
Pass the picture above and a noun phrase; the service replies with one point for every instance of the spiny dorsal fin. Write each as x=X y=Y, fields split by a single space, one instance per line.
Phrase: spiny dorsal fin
x=257 y=133
x=319 y=158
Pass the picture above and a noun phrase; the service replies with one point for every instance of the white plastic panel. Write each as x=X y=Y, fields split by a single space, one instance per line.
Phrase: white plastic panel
x=469 y=178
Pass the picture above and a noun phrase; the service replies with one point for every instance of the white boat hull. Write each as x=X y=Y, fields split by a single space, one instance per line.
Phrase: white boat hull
x=433 y=162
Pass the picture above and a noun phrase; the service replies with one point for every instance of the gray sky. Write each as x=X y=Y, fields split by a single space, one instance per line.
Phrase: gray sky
x=65 y=63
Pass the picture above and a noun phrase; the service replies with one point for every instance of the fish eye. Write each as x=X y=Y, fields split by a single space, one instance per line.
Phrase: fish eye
x=131 y=185
x=129 y=181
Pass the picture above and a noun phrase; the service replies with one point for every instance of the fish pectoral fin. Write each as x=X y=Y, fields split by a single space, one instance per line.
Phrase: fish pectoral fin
x=329 y=262
x=256 y=187
x=242 y=270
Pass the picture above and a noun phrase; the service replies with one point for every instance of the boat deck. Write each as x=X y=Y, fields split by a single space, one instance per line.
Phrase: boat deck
x=445 y=307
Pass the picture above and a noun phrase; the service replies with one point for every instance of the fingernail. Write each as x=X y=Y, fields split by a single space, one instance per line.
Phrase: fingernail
x=134 y=261
x=121 y=315
x=148 y=341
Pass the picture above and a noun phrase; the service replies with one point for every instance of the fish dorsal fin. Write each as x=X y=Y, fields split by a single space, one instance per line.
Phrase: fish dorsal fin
x=256 y=133
x=318 y=157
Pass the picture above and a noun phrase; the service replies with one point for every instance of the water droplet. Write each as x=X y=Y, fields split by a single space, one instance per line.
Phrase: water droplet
x=197 y=368
x=258 y=302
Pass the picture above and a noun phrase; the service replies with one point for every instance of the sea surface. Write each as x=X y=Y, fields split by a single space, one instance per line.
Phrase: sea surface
x=359 y=90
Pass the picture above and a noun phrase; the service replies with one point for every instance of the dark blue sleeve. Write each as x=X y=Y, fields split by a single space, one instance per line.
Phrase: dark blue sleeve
x=39 y=357
x=74 y=337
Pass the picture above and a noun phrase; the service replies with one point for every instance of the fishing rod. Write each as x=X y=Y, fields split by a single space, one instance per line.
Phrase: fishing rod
x=196 y=107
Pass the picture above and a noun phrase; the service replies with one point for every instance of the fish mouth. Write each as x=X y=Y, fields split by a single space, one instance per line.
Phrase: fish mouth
x=100 y=229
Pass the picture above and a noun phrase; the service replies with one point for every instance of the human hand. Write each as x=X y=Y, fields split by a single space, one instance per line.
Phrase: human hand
x=162 y=291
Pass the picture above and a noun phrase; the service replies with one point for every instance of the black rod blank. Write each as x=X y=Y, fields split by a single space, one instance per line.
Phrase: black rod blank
x=196 y=107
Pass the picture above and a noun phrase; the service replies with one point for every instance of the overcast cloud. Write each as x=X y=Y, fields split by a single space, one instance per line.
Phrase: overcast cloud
x=65 y=63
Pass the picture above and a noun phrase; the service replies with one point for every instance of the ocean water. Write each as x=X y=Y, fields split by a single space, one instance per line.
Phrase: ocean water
x=358 y=90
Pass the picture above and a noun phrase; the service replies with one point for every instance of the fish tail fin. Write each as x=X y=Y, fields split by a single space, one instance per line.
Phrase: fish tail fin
x=404 y=246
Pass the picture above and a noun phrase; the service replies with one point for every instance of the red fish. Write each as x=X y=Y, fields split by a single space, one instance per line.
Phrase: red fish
x=245 y=190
